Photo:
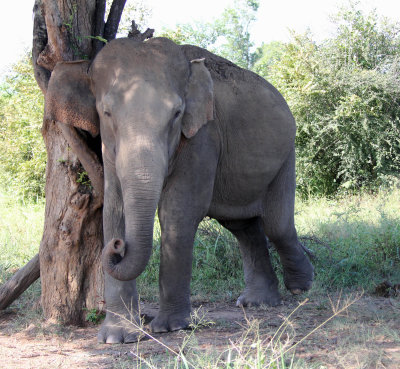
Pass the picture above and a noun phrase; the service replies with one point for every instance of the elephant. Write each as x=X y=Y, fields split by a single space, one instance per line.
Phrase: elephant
x=185 y=134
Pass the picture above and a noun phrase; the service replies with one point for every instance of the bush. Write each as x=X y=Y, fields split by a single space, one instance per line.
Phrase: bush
x=345 y=96
x=22 y=151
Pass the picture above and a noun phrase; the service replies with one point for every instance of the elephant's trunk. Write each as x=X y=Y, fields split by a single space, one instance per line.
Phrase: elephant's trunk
x=126 y=259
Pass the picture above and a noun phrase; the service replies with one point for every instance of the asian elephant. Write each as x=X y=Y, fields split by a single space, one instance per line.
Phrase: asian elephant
x=192 y=135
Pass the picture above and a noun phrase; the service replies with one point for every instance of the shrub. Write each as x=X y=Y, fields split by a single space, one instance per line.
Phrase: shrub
x=22 y=151
x=345 y=96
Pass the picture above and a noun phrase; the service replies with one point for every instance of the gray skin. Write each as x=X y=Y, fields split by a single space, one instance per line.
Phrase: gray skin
x=193 y=135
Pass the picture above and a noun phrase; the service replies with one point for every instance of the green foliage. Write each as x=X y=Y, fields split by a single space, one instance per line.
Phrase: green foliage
x=21 y=227
x=344 y=93
x=217 y=266
x=355 y=239
x=228 y=36
x=216 y=258
x=199 y=34
x=83 y=179
x=94 y=316
x=345 y=96
x=267 y=55
x=22 y=151
x=234 y=29
x=99 y=38
x=364 y=40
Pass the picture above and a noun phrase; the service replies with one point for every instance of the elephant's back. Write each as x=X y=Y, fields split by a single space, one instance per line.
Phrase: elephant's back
x=221 y=69
x=256 y=130
x=235 y=85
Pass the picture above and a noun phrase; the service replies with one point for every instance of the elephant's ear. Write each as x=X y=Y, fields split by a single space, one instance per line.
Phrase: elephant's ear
x=69 y=99
x=199 y=99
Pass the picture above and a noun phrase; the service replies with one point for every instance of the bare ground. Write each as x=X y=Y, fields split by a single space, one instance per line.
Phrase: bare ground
x=366 y=335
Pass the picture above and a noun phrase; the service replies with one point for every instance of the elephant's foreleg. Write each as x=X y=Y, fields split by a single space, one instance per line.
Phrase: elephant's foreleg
x=121 y=297
x=184 y=202
x=175 y=274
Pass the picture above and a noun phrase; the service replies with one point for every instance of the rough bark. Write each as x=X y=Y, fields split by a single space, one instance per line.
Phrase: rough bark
x=88 y=159
x=70 y=268
x=42 y=74
x=69 y=262
x=19 y=282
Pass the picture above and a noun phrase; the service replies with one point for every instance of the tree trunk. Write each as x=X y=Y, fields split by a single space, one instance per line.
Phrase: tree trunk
x=70 y=251
x=70 y=269
x=69 y=257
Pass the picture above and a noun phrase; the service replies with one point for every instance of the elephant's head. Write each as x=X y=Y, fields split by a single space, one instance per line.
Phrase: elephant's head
x=144 y=96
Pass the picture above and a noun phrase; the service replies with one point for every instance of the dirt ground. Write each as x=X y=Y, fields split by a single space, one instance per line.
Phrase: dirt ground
x=366 y=335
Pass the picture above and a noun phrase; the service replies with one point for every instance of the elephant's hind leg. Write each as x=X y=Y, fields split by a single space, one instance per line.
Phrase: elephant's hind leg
x=260 y=279
x=279 y=226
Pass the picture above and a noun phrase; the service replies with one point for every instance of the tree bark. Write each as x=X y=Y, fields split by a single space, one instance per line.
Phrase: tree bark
x=69 y=262
x=19 y=282
x=70 y=270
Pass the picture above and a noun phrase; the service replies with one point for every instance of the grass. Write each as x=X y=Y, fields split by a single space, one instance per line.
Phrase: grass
x=255 y=347
x=355 y=240
x=21 y=227
x=217 y=267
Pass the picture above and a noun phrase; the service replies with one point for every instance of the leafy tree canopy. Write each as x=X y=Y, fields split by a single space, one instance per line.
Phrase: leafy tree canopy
x=228 y=35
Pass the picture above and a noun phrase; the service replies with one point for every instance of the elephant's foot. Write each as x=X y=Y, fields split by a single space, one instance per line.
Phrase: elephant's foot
x=259 y=297
x=164 y=322
x=298 y=275
x=118 y=329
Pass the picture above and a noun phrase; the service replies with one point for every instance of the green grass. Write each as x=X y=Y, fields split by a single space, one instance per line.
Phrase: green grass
x=356 y=241
x=21 y=227
x=216 y=269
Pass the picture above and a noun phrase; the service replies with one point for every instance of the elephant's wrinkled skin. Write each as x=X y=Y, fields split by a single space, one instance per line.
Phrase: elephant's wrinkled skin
x=194 y=135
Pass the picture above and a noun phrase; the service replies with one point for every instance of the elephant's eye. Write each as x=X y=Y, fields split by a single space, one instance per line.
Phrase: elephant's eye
x=177 y=114
x=107 y=114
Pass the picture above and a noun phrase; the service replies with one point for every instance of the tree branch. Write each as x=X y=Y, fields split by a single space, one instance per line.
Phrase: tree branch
x=99 y=27
x=114 y=17
x=39 y=43
x=57 y=48
x=87 y=157
x=139 y=36
x=19 y=282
